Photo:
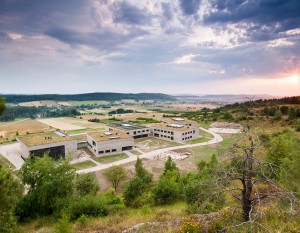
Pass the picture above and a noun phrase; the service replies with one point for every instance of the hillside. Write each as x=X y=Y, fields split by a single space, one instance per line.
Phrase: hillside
x=107 y=96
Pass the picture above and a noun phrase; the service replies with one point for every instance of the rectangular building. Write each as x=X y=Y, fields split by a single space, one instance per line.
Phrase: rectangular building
x=134 y=130
x=175 y=132
x=111 y=142
x=55 y=145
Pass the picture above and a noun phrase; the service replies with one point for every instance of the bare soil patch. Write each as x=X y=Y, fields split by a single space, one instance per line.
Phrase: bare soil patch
x=58 y=124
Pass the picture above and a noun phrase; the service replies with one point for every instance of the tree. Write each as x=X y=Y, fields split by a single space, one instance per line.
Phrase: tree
x=10 y=194
x=167 y=190
x=133 y=191
x=2 y=105
x=86 y=184
x=141 y=172
x=170 y=165
x=50 y=184
x=115 y=175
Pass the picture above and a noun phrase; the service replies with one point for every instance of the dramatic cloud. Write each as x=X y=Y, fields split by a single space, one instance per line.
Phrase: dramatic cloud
x=191 y=44
x=263 y=20
x=190 y=7
x=125 y=12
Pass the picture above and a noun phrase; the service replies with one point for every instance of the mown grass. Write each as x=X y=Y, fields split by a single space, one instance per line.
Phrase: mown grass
x=83 y=165
x=110 y=158
x=135 y=152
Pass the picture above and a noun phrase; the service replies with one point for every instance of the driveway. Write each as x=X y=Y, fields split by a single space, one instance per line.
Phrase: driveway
x=12 y=152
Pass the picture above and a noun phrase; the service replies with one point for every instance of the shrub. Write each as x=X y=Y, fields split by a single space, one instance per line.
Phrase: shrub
x=89 y=206
x=133 y=191
x=86 y=184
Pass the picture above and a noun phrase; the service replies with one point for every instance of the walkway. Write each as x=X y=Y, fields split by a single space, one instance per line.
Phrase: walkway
x=216 y=139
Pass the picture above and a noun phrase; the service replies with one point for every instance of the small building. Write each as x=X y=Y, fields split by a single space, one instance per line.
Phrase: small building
x=180 y=121
x=55 y=145
x=134 y=130
x=107 y=143
x=175 y=132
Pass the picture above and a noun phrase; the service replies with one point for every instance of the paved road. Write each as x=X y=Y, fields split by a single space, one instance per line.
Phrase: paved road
x=13 y=153
x=216 y=139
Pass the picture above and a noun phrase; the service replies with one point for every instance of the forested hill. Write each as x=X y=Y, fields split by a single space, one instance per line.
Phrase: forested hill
x=265 y=102
x=107 y=96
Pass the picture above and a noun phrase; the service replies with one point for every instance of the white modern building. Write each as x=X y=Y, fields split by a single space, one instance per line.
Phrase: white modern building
x=110 y=142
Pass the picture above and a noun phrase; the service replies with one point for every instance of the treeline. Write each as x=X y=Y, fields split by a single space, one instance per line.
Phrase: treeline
x=13 y=112
x=106 y=96
x=266 y=102
x=120 y=111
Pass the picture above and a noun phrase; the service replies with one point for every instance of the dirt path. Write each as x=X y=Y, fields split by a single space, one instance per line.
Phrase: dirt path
x=150 y=155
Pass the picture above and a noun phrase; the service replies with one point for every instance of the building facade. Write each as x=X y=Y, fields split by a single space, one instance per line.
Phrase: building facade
x=108 y=143
x=175 y=132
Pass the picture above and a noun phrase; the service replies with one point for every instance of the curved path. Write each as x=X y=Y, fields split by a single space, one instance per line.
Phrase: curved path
x=216 y=139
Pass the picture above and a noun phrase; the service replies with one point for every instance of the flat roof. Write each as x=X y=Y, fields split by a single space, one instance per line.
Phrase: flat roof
x=107 y=136
x=126 y=126
x=37 y=139
x=174 y=127
x=176 y=120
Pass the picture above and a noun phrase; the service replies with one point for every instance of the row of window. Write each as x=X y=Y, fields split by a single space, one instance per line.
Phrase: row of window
x=189 y=132
x=163 y=136
x=164 y=131
x=107 y=151
x=140 y=131
x=187 y=138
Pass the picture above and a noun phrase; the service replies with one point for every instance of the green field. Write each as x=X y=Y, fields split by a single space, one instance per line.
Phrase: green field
x=110 y=158
x=83 y=165
x=135 y=152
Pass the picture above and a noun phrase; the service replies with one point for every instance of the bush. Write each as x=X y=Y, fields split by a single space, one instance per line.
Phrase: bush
x=166 y=191
x=86 y=184
x=63 y=225
x=89 y=206
x=133 y=191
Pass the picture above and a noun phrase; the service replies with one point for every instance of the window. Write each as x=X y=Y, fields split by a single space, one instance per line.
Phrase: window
x=101 y=152
x=107 y=151
x=134 y=132
x=127 y=132
x=172 y=133
x=172 y=138
x=113 y=150
x=143 y=131
x=94 y=143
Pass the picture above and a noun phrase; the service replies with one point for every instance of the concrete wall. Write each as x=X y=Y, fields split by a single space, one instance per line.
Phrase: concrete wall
x=110 y=145
x=70 y=147
x=134 y=132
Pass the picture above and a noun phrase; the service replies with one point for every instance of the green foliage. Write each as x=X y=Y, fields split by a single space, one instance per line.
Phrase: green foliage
x=63 y=225
x=120 y=111
x=86 y=184
x=50 y=184
x=89 y=206
x=281 y=147
x=2 y=105
x=134 y=191
x=167 y=190
x=115 y=175
x=170 y=165
x=10 y=195
x=228 y=116
x=142 y=173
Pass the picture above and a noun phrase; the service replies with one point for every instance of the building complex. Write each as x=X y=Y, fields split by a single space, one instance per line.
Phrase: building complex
x=117 y=138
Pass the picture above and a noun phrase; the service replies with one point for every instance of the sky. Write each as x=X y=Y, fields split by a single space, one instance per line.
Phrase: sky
x=166 y=46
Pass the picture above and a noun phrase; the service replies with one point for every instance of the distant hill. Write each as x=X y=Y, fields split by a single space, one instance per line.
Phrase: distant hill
x=107 y=96
x=223 y=99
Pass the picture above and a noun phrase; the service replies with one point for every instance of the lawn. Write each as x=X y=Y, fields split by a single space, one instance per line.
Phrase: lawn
x=205 y=153
x=199 y=140
x=110 y=158
x=135 y=152
x=83 y=165
x=150 y=143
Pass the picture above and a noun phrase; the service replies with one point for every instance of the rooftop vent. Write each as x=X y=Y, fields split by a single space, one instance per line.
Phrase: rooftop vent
x=177 y=119
x=126 y=125
x=107 y=133
x=60 y=134
x=175 y=125
x=115 y=137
